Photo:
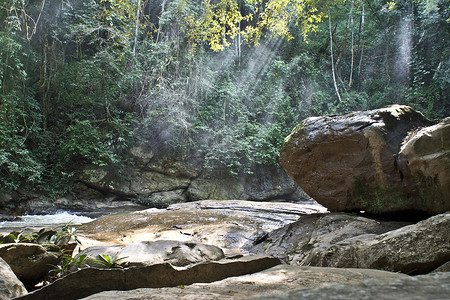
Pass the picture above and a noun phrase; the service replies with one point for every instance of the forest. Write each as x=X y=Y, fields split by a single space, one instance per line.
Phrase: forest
x=223 y=81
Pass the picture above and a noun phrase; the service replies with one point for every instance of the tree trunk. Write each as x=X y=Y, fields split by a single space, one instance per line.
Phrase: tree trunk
x=361 y=44
x=332 y=58
x=352 y=50
x=138 y=15
x=163 y=8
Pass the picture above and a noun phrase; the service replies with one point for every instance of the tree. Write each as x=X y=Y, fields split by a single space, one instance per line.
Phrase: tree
x=217 y=23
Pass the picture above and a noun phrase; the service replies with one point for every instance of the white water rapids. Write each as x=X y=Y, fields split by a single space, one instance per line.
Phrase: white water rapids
x=36 y=221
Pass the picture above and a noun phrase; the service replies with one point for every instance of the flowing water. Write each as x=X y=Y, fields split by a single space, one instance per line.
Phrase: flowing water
x=40 y=221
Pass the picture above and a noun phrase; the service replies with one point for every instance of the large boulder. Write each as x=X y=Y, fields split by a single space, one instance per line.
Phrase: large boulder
x=413 y=249
x=150 y=253
x=294 y=242
x=31 y=262
x=10 y=286
x=351 y=162
x=425 y=161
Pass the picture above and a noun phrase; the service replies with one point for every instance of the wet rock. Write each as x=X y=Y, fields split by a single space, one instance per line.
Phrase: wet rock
x=150 y=253
x=349 y=162
x=413 y=249
x=226 y=224
x=30 y=262
x=10 y=286
x=430 y=287
x=297 y=240
x=7 y=218
x=425 y=161
x=89 y=281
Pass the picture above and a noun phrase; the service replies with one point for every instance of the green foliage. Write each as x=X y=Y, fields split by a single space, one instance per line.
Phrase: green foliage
x=85 y=143
x=110 y=261
x=69 y=264
x=22 y=238
x=218 y=23
x=65 y=237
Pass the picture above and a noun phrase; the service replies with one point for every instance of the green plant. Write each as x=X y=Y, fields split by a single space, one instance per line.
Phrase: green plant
x=65 y=236
x=21 y=238
x=110 y=261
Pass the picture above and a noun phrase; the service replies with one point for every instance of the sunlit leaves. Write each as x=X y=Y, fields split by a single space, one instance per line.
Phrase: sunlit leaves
x=218 y=23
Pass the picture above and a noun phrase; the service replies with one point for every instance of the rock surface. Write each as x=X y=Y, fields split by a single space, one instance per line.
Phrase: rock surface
x=226 y=224
x=273 y=282
x=425 y=160
x=156 y=184
x=430 y=287
x=10 y=286
x=294 y=242
x=155 y=252
x=30 y=262
x=151 y=178
x=350 y=162
x=89 y=281
x=413 y=249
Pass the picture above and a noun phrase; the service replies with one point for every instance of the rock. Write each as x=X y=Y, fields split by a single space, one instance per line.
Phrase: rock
x=273 y=183
x=163 y=199
x=350 y=162
x=176 y=167
x=141 y=155
x=147 y=183
x=225 y=224
x=297 y=240
x=30 y=262
x=430 y=287
x=278 y=280
x=268 y=184
x=7 y=218
x=10 y=286
x=425 y=160
x=443 y=268
x=150 y=253
x=138 y=183
x=413 y=249
x=89 y=281
x=220 y=189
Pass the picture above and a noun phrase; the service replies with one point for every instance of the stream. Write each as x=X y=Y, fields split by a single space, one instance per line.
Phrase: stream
x=40 y=221
x=57 y=219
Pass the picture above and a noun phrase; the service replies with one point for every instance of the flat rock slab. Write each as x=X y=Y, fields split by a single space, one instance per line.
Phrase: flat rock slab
x=296 y=241
x=415 y=249
x=89 y=281
x=149 y=253
x=431 y=287
x=276 y=281
x=227 y=224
